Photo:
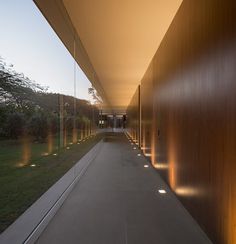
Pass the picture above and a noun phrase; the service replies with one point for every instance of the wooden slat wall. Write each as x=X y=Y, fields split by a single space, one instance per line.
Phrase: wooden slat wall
x=146 y=97
x=133 y=117
x=188 y=99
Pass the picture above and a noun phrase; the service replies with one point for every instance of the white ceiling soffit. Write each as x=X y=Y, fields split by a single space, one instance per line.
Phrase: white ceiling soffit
x=119 y=37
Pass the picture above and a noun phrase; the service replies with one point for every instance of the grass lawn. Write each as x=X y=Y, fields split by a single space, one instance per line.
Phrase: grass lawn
x=20 y=186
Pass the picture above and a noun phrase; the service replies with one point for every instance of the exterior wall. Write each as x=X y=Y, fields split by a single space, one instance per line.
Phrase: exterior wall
x=193 y=114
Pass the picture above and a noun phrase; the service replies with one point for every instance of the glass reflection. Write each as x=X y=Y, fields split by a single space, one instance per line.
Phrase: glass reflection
x=42 y=121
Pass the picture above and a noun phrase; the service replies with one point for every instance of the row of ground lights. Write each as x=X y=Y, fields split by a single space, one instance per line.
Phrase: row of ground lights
x=55 y=154
x=160 y=191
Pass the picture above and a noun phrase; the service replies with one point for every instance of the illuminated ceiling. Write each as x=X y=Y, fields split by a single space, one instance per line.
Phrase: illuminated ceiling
x=115 y=40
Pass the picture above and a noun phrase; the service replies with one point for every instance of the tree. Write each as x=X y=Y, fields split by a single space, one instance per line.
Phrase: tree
x=15 y=125
x=16 y=89
x=38 y=126
x=95 y=96
x=26 y=107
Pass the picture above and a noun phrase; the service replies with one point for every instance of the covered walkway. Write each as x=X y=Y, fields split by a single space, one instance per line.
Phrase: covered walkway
x=117 y=202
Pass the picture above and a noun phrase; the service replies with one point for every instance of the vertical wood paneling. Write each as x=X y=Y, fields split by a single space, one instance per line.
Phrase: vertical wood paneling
x=133 y=116
x=188 y=99
x=146 y=94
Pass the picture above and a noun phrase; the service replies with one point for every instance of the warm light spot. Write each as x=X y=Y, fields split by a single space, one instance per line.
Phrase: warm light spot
x=171 y=162
x=146 y=166
x=74 y=134
x=33 y=165
x=65 y=137
x=50 y=142
x=54 y=154
x=20 y=165
x=186 y=191
x=68 y=148
x=71 y=143
x=26 y=153
x=78 y=143
x=147 y=148
x=138 y=154
x=132 y=143
x=172 y=175
x=153 y=151
x=162 y=191
x=160 y=166
x=148 y=154
x=134 y=148
x=45 y=154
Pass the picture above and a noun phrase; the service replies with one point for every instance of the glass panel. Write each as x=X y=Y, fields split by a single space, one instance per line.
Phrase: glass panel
x=45 y=109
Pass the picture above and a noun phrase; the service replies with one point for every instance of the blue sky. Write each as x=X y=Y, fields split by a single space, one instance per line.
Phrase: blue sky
x=28 y=42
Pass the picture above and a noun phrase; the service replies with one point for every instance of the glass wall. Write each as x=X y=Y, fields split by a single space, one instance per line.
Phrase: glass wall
x=47 y=117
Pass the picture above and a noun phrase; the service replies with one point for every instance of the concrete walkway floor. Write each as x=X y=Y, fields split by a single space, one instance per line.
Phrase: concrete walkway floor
x=117 y=202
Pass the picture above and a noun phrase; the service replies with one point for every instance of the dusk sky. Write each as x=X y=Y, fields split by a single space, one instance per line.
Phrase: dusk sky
x=29 y=43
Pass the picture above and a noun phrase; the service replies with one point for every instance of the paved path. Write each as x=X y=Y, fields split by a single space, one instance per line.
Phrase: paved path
x=117 y=202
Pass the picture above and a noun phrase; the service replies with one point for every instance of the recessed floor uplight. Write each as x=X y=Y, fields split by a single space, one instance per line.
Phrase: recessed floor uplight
x=68 y=148
x=78 y=143
x=162 y=191
x=146 y=166
x=134 y=148
x=33 y=165
x=54 y=154
x=138 y=154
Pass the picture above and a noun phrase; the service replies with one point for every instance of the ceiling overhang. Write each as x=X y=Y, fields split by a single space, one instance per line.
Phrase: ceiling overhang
x=114 y=41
